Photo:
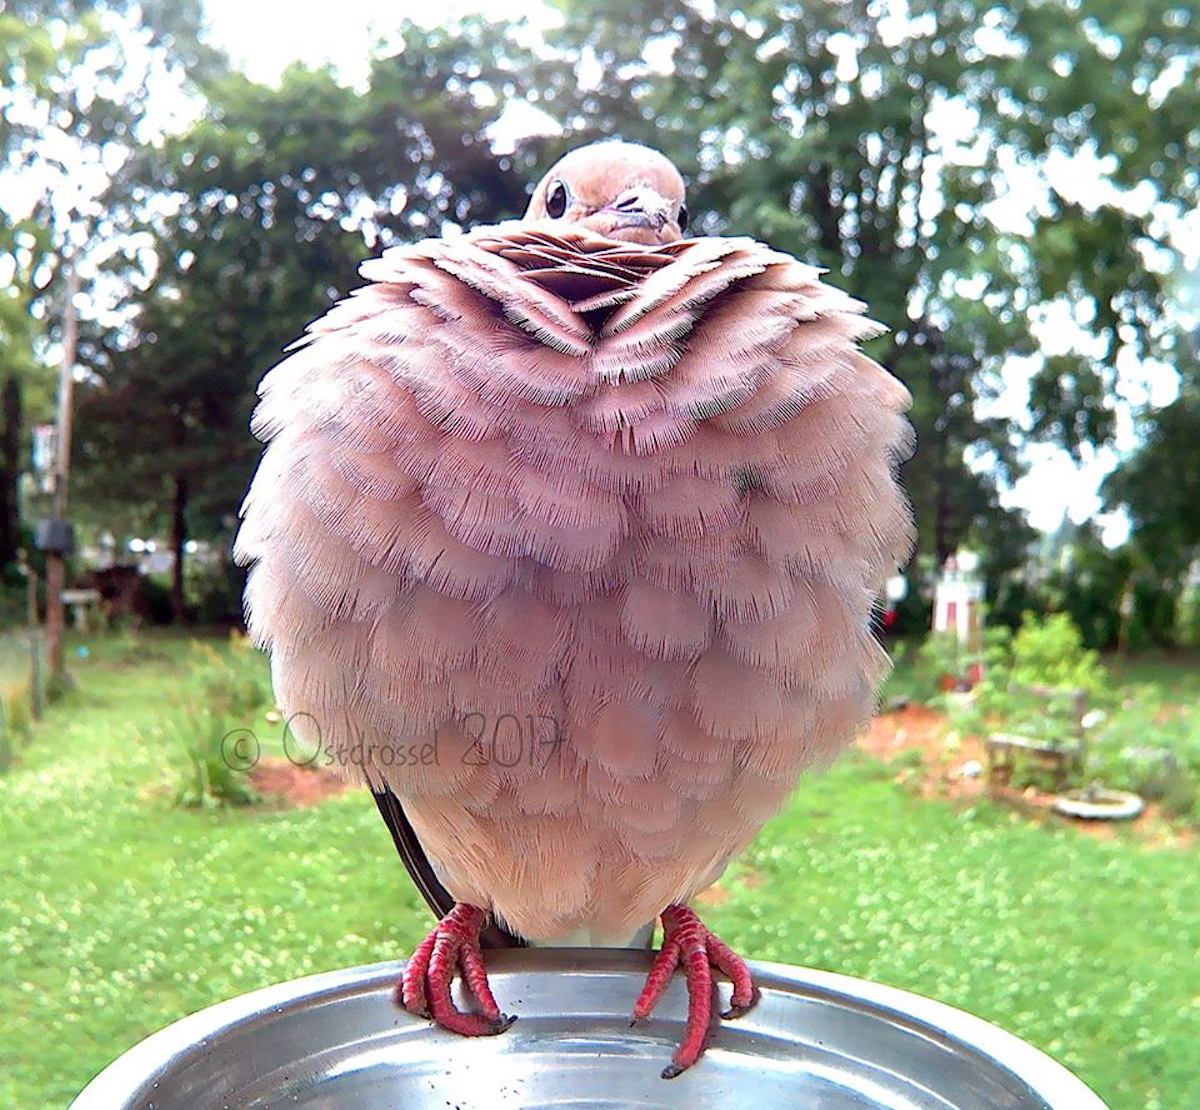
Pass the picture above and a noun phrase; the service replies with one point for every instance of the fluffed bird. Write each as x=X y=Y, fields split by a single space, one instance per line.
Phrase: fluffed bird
x=566 y=541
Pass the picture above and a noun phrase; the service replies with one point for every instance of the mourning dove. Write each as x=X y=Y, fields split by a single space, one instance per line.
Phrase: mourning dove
x=566 y=541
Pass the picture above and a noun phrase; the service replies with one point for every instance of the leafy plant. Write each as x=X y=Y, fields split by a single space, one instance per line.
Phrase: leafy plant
x=1150 y=745
x=1048 y=651
x=232 y=681
x=211 y=776
x=941 y=657
x=1031 y=684
x=225 y=688
x=1144 y=742
x=1182 y=799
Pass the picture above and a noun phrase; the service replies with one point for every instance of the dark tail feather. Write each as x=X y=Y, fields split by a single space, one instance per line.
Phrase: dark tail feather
x=436 y=896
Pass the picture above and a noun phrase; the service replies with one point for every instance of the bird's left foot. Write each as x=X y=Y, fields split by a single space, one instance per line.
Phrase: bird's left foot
x=688 y=941
x=424 y=988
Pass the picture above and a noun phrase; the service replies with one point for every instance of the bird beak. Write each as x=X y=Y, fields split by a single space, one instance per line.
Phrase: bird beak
x=640 y=207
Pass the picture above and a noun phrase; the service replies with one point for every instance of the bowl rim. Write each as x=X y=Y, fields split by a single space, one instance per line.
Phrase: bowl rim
x=134 y=1071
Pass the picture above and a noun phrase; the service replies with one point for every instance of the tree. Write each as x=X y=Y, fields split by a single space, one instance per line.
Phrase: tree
x=884 y=147
x=1159 y=487
x=76 y=79
x=880 y=146
x=276 y=195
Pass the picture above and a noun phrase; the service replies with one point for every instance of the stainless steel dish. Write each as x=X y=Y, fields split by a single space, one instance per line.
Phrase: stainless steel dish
x=815 y=1040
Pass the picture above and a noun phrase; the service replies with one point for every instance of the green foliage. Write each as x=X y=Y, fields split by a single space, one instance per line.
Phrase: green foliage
x=1092 y=583
x=1182 y=798
x=1030 y=685
x=941 y=659
x=1049 y=651
x=75 y=88
x=224 y=689
x=812 y=126
x=279 y=194
x=214 y=591
x=1160 y=485
x=1150 y=744
x=209 y=777
x=1188 y=625
x=156 y=593
x=819 y=128
x=1148 y=736
x=231 y=681
x=904 y=681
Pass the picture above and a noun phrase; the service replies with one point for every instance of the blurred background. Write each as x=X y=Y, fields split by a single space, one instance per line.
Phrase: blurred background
x=1012 y=187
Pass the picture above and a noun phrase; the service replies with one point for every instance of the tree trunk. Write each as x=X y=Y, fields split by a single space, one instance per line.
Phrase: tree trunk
x=10 y=469
x=178 y=543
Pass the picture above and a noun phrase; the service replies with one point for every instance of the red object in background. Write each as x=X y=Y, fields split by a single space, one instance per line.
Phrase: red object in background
x=889 y=618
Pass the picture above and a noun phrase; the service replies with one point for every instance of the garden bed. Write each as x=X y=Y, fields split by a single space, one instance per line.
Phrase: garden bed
x=930 y=758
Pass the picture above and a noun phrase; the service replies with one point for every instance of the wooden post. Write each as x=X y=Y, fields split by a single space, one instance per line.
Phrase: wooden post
x=31 y=617
x=56 y=561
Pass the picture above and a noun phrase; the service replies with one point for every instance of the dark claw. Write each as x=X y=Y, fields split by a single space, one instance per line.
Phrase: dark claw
x=502 y=1023
x=672 y=1070
x=736 y=1011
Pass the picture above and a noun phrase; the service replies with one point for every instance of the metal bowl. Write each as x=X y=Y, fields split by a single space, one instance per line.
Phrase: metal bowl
x=815 y=1040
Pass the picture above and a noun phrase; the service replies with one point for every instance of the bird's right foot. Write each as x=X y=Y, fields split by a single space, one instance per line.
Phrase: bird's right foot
x=424 y=988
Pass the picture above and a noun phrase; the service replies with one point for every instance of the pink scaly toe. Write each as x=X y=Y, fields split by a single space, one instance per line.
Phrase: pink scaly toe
x=424 y=988
x=687 y=941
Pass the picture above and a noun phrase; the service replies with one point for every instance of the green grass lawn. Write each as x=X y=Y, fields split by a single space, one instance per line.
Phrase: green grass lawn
x=1177 y=673
x=120 y=912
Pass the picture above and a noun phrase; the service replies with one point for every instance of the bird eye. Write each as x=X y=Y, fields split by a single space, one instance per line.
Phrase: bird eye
x=556 y=200
x=682 y=218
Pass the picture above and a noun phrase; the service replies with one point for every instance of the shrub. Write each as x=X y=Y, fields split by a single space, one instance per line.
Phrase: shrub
x=1049 y=651
x=940 y=658
x=1143 y=742
x=1150 y=746
x=1182 y=799
x=1029 y=686
x=212 y=776
x=233 y=682
x=223 y=693
x=1188 y=617
x=156 y=595
x=214 y=591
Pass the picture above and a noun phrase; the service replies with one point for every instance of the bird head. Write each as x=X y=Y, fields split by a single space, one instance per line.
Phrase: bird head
x=618 y=190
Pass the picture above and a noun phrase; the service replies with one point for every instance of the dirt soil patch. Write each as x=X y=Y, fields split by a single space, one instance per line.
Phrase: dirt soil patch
x=285 y=783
